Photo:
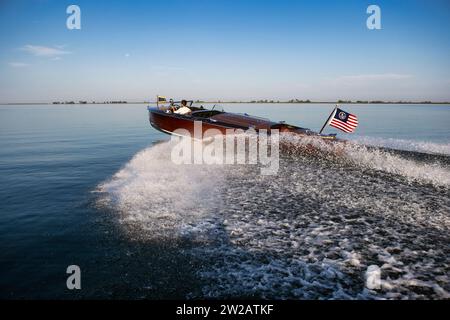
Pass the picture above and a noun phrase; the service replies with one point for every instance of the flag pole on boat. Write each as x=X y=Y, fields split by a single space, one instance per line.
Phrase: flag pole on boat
x=160 y=100
x=329 y=118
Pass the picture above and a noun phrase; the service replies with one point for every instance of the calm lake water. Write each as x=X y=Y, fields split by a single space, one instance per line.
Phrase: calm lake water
x=93 y=186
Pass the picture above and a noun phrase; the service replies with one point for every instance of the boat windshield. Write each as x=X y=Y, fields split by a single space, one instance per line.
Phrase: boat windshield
x=205 y=113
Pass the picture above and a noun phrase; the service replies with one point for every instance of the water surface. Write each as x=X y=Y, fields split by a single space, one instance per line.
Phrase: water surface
x=93 y=185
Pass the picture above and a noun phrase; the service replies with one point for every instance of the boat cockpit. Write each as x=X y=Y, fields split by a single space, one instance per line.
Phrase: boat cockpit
x=197 y=112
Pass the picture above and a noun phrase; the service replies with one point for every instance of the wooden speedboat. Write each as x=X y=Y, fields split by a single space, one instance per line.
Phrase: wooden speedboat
x=165 y=119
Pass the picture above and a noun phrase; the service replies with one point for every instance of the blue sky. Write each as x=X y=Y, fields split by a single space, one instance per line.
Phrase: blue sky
x=222 y=49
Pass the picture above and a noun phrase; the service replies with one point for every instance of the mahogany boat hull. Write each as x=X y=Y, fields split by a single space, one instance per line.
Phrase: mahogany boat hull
x=171 y=123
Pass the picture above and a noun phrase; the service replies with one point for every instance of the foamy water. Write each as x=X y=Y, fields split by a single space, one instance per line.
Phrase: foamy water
x=404 y=144
x=158 y=195
x=312 y=231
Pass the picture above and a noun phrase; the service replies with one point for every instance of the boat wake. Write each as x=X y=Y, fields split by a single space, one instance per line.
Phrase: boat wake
x=398 y=162
x=312 y=231
x=403 y=144
x=152 y=193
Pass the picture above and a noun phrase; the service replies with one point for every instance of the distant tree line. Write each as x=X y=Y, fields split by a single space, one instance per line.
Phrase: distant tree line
x=93 y=102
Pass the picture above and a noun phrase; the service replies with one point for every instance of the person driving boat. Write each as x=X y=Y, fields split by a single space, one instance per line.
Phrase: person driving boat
x=183 y=109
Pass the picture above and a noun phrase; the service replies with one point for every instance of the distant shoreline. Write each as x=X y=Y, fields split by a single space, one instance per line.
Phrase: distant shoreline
x=231 y=102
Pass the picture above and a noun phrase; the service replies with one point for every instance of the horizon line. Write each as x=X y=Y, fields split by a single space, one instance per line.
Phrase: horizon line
x=253 y=101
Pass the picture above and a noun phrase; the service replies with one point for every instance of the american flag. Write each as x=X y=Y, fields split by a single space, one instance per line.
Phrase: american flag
x=344 y=121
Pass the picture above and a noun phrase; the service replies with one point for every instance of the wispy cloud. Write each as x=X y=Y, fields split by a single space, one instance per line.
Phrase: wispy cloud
x=18 y=64
x=42 y=51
